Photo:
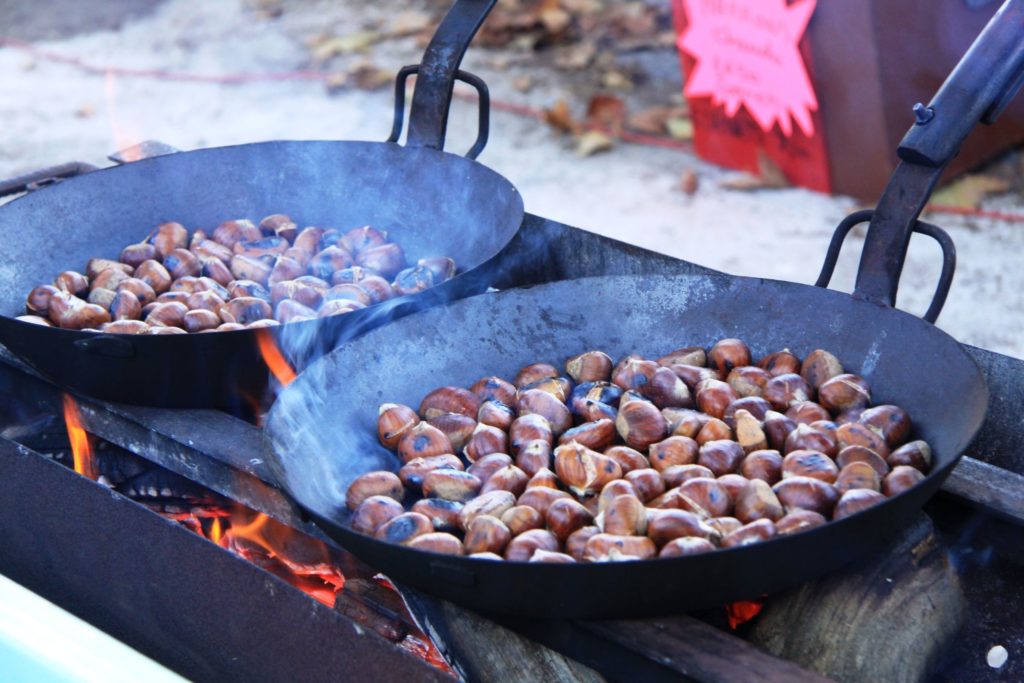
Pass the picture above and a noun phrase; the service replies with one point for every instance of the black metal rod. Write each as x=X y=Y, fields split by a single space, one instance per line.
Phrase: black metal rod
x=983 y=82
x=24 y=183
x=428 y=117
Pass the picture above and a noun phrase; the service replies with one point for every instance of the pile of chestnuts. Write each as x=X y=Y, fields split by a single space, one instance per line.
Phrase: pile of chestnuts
x=604 y=461
x=239 y=275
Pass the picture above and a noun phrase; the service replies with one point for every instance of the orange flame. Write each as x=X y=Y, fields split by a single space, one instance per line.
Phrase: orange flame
x=125 y=137
x=81 y=449
x=216 y=531
x=275 y=360
x=743 y=611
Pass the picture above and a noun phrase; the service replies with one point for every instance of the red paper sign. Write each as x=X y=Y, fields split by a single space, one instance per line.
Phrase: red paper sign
x=747 y=53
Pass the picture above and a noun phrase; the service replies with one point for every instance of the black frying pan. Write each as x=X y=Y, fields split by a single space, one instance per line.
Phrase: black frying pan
x=429 y=201
x=321 y=431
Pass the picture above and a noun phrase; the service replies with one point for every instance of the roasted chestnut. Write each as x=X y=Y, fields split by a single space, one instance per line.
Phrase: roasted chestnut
x=714 y=396
x=799 y=520
x=757 y=501
x=522 y=518
x=450 y=485
x=855 y=500
x=592 y=366
x=900 y=479
x=378 y=483
x=412 y=473
x=511 y=479
x=916 y=454
x=640 y=424
x=727 y=354
x=495 y=389
x=748 y=380
x=765 y=465
x=537 y=402
x=393 y=421
x=782 y=362
x=625 y=515
x=806 y=493
x=522 y=547
x=534 y=373
x=487 y=534
x=783 y=391
x=565 y=516
x=858 y=475
x=404 y=528
x=754 y=532
x=647 y=482
x=484 y=441
x=690 y=355
x=443 y=514
x=685 y=546
x=892 y=422
x=844 y=392
x=422 y=440
x=721 y=457
x=584 y=471
x=611 y=548
x=704 y=497
x=819 y=367
x=373 y=512
x=596 y=435
x=628 y=458
x=493 y=503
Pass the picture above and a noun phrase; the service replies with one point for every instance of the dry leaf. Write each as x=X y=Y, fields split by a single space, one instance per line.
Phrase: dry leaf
x=607 y=111
x=688 y=181
x=616 y=80
x=343 y=45
x=523 y=83
x=968 y=191
x=576 y=57
x=560 y=118
x=771 y=177
x=652 y=120
x=679 y=128
x=593 y=142
x=555 y=20
x=409 y=22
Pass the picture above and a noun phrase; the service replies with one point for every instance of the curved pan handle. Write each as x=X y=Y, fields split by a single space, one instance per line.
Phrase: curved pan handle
x=986 y=79
x=920 y=227
x=428 y=116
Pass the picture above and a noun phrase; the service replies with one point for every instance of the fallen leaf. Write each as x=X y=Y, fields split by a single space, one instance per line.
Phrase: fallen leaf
x=607 y=111
x=652 y=120
x=555 y=20
x=688 y=181
x=680 y=128
x=770 y=177
x=593 y=142
x=616 y=80
x=409 y=22
x=560 y=118
x=343 y=45
x=575 y=57
x=968 y=191
x=523 y=83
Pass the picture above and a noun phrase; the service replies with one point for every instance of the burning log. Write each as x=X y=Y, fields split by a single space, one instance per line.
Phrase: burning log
x=889 y=618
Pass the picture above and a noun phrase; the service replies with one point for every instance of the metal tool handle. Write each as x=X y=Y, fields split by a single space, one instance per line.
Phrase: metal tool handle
x=432 y=98
x=483 y=104
x=981 y=85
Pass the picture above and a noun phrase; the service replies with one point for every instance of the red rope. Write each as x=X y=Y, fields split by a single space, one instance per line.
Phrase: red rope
x=499 y=105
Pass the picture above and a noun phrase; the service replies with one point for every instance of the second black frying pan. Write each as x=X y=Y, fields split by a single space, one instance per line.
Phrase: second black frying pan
x=321 y=431
x=432 y=203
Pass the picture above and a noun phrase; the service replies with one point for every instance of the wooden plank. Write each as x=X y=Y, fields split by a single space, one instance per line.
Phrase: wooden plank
x=988 y=487
x=700 y=651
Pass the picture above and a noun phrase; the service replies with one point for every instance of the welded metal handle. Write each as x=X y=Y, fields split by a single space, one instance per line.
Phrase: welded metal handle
x=432 y=98
x=936 y=233
x=483 y=105
x=43 y=177
x=985 y=80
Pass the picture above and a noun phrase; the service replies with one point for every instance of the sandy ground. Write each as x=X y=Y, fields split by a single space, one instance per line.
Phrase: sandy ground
x=52 y=112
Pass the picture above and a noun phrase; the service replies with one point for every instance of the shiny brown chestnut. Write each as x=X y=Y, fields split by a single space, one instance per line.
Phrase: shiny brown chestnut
x=892 y=422
x=487 y=534
x=522 y=518
x=534 y=457
x=126 y=306
x=101 y=297
x=584 y=471
x=844 y=392
x=856 y=500
x=245 y=310
x=806 y=412
x=765 y=465
x=783 y=391
x=758 y=501
x=749 y=433
x=412 y=473
x=809 y=463
x=916 y=454
x=438 y=542
x=534 y=373
x=640 y=424
x=664 y=526
x=496 y=414
x=713 y=430
x=522 y=547
x=565 y=516
x=423 y=440
x=704 y=497
x=373 y=512
x=485 y=440
x=901 y=478
x=404 y=528
x=727 y=354
x=858 y=475
x=686 y=546
x=648 y=482
x=777 y=428
x=38 y=301
x=378 y=483
x=493 y=503
x=748 y=380
x=135 y=254
x=200 y=320
x=386 y=259
x=591 y=366
x=167 y=237
x=861 y=454
x=109 y=279
x=537 y=402
x=820 y=366
x=577 y=541
x=783 y=362
x=689 y=355
x=125 y=327
x=511 y=479
x=629 y=459
x=624 y=515
x=798 y=520
x=684 y=421
x=458 y=428
x=721 y=457
x=675 y=450
x=805 y=437
x=443 y=514
x=677 y=474
x=666 y=390
x=633 y=372
x=714 y=396
x=450 y=485
x=495 y=389
x=693 y=375
x=806 y=493
x=527 y=428
x=596 y=435
x=72 y=282
x=393 y=420
x=611 y=548
x=858 y=434
x=486 y=466
x=748 y=534
x=540 y=498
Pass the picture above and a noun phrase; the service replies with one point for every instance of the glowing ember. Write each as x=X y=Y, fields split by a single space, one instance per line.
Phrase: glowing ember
x=743 y=611
x=275 y=360
x=81 y=449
